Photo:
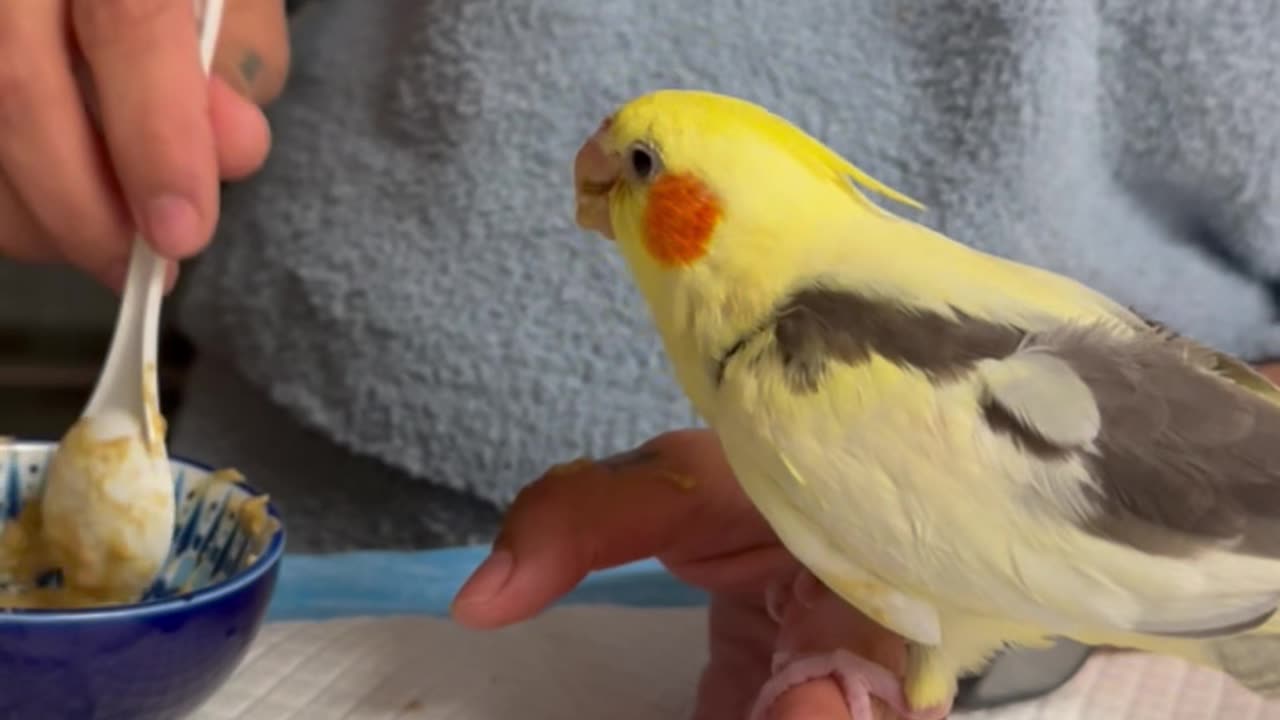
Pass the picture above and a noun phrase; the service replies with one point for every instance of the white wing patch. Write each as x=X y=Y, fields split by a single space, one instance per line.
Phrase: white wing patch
x=1045 y=394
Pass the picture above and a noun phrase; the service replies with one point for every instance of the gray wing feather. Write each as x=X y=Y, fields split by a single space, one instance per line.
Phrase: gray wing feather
x=1179 y=448
x=1184 y=458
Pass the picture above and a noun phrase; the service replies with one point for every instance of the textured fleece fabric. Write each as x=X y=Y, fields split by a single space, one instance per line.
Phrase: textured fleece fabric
x=404 y=284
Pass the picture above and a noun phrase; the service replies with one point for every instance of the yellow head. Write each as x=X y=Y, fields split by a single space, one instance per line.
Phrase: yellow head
x=715 y=201
x=666 y=168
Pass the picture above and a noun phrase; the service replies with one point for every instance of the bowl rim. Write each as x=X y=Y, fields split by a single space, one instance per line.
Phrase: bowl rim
x=265 y=562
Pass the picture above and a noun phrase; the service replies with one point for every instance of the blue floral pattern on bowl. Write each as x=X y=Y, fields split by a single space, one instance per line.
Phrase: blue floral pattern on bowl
x=212 y=539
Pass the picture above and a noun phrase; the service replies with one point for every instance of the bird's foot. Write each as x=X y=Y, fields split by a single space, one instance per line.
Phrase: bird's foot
x=859 y=678
x=802 y=587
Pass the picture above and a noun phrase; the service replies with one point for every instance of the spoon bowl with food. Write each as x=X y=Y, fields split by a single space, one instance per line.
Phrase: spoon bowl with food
x=108 y=503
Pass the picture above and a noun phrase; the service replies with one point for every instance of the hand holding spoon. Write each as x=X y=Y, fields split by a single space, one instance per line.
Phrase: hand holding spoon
x=107 y=513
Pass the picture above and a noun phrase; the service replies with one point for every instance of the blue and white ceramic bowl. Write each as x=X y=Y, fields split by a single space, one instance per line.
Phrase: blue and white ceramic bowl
x=164 y=656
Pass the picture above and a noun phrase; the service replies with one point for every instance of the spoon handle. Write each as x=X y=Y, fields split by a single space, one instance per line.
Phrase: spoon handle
x=136 y=339
x=129 y=376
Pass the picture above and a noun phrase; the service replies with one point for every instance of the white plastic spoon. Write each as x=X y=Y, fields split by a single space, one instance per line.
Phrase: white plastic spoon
x=108 y=508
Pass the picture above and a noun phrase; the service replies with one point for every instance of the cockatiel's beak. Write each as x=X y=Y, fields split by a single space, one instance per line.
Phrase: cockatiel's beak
x=595 y=172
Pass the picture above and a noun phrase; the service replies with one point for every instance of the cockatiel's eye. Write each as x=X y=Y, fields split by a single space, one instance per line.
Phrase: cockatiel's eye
x=643 y=162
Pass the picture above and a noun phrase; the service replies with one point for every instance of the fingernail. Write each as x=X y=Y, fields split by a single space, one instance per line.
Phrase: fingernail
x=172 y=224
x=488 y=579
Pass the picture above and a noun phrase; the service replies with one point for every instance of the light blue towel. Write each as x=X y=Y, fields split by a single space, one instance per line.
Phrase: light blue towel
x=368 y=584
x=404 y=280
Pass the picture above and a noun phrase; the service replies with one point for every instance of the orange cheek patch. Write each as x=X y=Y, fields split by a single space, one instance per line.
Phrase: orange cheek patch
x=681 y=215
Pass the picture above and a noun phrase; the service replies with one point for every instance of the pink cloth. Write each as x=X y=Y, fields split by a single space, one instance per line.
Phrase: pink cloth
x=814 y=625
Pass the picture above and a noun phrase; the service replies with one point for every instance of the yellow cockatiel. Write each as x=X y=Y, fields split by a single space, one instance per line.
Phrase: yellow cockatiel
x=972 y=451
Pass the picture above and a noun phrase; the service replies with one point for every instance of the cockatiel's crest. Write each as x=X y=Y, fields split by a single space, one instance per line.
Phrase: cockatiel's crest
x=663 y=113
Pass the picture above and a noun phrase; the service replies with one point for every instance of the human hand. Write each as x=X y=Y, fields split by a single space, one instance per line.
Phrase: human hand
x=676 y=499
x=75 y=191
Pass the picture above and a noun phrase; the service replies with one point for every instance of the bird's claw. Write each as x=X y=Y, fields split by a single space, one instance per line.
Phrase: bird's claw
x=802 y=587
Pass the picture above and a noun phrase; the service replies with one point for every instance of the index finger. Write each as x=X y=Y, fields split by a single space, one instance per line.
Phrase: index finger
x=153 y=96
x=673 y=498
